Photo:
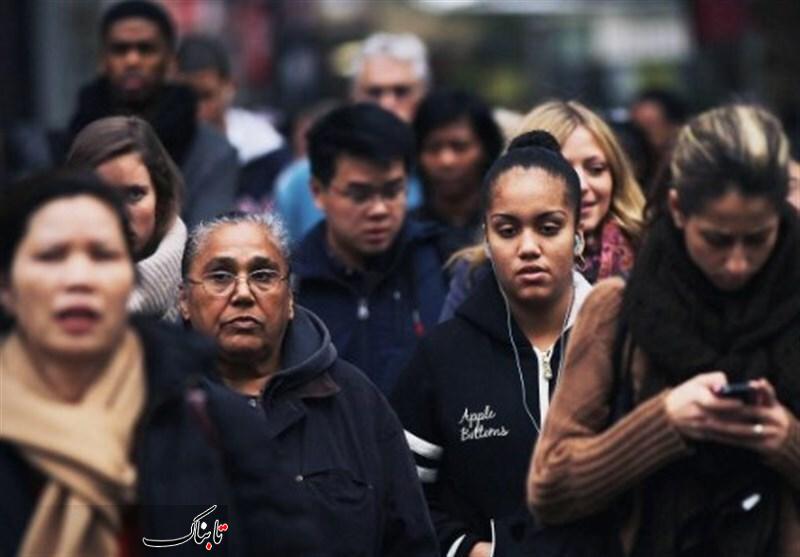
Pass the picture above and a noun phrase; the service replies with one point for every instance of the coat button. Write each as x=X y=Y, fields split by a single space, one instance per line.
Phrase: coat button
x=298 y=478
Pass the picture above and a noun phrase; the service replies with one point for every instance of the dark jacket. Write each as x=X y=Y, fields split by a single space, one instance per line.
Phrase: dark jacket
x=209 y=163
x=375 y=317
x=461 y=403
x=449 y=237
x=319 y=463
x=180 y=474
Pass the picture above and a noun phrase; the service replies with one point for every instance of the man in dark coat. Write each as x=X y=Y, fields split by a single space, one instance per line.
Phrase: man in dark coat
x=373 y=277
x=138 y=43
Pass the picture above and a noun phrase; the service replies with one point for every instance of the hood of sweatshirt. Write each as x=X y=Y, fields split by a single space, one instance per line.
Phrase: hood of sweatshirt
x=306 y=353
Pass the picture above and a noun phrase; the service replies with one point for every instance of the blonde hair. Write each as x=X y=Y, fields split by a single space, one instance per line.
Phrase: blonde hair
x=560 y=119
x=735 y=146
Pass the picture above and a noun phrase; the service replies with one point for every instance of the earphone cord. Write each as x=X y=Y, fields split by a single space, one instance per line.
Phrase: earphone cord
x=516 y=351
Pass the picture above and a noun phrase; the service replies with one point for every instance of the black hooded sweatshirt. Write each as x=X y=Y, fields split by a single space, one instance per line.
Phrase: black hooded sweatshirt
x=319 y=463
x=461 y=403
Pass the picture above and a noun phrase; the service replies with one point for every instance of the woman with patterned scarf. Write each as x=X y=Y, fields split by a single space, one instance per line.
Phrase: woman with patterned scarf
x=612 y=202
x=641 y=429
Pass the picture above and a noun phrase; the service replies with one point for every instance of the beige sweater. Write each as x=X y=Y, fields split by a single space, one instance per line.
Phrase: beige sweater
x=578 y=468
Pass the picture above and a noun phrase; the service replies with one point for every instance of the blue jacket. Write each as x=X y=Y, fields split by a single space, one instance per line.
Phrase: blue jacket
x=319 y=463
x=375 y=317
x=179 y=472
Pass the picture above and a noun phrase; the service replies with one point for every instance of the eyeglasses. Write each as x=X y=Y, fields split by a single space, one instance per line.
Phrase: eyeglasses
x=361 y=194
x=222 y=283
x=377 y=92
x=121 y=48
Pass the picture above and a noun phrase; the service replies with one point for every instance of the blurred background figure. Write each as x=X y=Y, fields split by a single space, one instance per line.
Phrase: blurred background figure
x=91 y=404
x=204 y=64
x=138 y=44
x=457 y=141
x=391 y=71
x=372 y=275
x=317 y=457
x=659 y=113
x=127 y=155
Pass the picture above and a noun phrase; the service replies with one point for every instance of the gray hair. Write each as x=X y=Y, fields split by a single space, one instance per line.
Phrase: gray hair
x=271 y=224
x=405 y=47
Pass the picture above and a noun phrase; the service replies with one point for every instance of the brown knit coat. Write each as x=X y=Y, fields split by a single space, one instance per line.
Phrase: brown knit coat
x=579 y=468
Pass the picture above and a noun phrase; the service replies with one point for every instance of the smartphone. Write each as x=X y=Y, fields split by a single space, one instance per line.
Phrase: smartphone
x=743 y=391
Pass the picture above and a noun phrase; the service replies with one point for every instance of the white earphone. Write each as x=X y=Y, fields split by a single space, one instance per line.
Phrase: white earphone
x=579 y=245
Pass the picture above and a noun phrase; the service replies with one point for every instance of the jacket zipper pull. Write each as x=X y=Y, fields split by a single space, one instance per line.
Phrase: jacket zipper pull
x=363 y=309
x=547 y=371
x=419 y=326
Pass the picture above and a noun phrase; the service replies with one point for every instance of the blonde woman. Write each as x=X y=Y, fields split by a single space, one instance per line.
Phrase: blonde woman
x=612 y=202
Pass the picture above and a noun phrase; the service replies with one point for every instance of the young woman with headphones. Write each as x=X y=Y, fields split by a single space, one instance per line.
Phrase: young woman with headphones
x=475 y=395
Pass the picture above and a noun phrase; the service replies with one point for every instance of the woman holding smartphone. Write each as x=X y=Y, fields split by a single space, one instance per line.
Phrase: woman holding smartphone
x=712 y=301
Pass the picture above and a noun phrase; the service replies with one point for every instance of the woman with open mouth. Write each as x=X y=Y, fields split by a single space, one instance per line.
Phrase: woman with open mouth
x=99 y=446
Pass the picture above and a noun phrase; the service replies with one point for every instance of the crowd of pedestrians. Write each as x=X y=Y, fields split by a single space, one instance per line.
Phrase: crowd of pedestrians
x=432 y=329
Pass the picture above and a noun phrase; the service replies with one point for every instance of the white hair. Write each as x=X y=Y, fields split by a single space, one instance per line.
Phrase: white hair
x=271 y=224
x=405 y=47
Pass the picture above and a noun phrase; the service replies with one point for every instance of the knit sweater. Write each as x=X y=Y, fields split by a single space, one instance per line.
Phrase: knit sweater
x=159 y=277
x=579 y=467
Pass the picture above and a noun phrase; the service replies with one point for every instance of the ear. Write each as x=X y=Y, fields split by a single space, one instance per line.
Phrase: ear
x=318 y=191
x=183 y=302
x=673 y=205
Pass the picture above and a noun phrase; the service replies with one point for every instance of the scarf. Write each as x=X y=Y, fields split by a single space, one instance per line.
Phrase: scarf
x=82 y=449
x=610 y=255
x=156 y=293
x=687 y=326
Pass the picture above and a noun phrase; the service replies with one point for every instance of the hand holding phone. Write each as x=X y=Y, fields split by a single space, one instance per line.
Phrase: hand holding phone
x=744 y=391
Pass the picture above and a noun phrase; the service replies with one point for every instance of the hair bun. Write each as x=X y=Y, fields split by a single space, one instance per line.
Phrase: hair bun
x=535 y=138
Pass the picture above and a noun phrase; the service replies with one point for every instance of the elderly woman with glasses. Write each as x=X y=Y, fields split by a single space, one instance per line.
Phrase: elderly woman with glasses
x=317 y=458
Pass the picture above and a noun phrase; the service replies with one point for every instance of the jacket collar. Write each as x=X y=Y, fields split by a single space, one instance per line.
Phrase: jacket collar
x=307 y=355
x=171 y=112
x=174 y=359
x=315 y=260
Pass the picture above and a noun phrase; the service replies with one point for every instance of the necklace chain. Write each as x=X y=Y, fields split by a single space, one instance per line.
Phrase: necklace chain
x=547 y=372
